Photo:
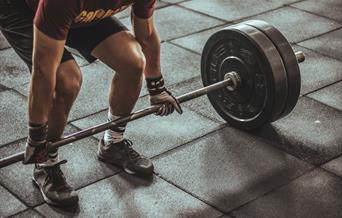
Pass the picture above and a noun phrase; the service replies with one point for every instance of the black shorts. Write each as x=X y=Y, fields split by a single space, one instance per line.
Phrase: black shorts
x=16 y=24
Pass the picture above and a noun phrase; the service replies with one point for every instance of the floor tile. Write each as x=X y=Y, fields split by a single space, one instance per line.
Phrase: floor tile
x=9 y=205
x=173 y=22
x=93 y=95
x=13 y=70
x=126 y=196
x=329 y=44
x=28 y=214
x=315 y=195
x=334 y=166
x=200 y=105
x=229 y=168
x=312 y=131
x=13 y=117
x=327 y=8
x=318 y=71
x=297 y=25
x=126 y=13
x=197 y=41
x=82 y=169
x=153 y=135
x=3 y=42
x=233 y=10
x=331 y=95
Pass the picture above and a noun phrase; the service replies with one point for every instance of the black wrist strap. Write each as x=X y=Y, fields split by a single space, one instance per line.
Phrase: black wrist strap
x=155 y=85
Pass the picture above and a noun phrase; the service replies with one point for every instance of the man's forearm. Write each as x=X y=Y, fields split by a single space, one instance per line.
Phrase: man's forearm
x=151 y=49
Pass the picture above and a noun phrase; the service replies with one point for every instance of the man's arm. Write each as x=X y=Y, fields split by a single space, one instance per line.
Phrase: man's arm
x=147 y=36
x=47 y=54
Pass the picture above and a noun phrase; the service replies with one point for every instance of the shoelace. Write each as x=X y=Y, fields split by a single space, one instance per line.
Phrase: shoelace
x=131 y=152
x=56 y=175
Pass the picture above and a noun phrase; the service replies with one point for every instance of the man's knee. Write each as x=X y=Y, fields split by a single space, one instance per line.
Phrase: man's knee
x=134 y=64
x=69 y=81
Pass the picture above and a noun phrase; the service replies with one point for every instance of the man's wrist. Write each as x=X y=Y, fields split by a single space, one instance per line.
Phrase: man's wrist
x=155 y=85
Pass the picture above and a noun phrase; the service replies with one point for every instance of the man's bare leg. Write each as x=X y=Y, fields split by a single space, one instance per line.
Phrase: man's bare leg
x=122 y=53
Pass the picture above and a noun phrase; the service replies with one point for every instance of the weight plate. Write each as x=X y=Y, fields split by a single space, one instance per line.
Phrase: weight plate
x=289 y=59
x=263 y=90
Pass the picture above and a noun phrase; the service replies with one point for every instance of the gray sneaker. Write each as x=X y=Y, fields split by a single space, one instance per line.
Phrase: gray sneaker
x=123 y=155
x=53 y=186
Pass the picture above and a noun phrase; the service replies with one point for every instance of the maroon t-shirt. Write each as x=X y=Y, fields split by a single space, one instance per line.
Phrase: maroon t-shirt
x=56 y=17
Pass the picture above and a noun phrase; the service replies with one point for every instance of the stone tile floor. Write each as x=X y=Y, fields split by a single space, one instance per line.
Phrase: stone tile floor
x=204 y=168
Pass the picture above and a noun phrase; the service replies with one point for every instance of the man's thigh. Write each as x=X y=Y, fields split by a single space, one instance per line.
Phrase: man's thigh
x=16 y=24
x=86 y=39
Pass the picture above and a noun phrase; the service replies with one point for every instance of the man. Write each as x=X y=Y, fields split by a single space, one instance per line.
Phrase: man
x=38 y=30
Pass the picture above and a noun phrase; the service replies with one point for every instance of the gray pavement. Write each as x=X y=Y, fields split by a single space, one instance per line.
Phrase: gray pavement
x=203 y=167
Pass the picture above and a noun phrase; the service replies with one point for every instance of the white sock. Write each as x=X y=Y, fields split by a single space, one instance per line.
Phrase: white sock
x=114 y=135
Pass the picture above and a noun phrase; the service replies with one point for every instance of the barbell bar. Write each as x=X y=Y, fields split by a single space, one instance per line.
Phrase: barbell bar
x=231 y=81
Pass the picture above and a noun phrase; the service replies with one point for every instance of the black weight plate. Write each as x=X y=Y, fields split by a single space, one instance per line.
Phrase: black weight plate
x=263 y=90
x=289 y=59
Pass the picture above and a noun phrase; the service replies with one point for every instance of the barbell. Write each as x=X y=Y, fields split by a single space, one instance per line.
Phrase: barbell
x=249 y=72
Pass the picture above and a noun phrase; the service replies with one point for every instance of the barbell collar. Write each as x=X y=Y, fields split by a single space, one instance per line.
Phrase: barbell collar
x=300 y=56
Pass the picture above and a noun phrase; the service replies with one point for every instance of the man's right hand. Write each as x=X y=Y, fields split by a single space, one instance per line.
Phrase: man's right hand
x=35 y=154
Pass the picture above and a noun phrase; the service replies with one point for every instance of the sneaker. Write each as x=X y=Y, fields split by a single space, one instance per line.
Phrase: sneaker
x=123 y=155
x=52 y=184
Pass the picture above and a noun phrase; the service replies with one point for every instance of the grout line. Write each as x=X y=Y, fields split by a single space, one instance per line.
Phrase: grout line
x=328 y=171
x=273 y=189
x=191 y=194
x=323 y=87
x=15 y=195
x=319 y=35
x=312 y=12
x=189 y=143
x=316 y=52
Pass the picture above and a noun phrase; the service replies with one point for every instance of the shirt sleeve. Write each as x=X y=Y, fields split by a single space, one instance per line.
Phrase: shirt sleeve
x=54 y=17
x=144 y=8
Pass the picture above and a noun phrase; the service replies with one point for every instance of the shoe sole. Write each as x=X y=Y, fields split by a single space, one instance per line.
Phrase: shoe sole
x=46 y=199
x=103 y=159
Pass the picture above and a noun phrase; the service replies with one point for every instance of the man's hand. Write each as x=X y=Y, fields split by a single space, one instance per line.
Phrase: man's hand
x=168 y=103
x=159 y=95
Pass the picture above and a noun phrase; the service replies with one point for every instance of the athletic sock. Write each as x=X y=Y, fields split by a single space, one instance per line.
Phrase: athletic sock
x=115 y=134
x=37 y=137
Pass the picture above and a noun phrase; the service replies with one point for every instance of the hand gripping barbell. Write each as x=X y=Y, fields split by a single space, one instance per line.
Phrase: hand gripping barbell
x=250 y=74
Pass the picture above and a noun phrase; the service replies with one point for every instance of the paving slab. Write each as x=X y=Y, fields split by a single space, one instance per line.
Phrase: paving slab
x=93 y=95
x=318 y=71
x=228 y=168
x=174 y=1
x=13 y=117
x=315 y=195
x=82 y=169
x=126 y=13
x=153 y=135
x=3 y=42
x=13 y=71
x=297 y=25
x=200 y=105
x=327 y=8
x=174 y=21
x=312 y=131
x=331 y=95
x=127 y=196
x=9 y=204
x=334 y=166
x=233 y=10
x=28 y=213
x=329 y=44
x=196 y=42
